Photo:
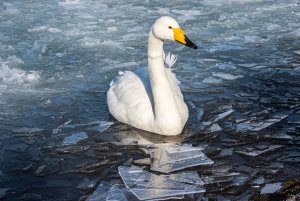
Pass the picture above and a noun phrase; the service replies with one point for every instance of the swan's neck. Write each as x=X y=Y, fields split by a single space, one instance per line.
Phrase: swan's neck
x=166 y=112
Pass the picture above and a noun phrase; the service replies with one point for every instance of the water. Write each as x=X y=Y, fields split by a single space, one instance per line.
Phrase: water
x=57 y=59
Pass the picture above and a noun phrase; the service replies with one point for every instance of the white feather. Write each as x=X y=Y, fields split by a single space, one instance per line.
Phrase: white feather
x=169 y=59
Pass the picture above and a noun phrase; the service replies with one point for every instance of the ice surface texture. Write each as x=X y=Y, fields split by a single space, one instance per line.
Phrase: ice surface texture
x=169 y=158
x=148 y=186
x=58 y=57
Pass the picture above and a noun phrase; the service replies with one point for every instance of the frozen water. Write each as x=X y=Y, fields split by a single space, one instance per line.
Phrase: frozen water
x=212 y=80
x=222 y=115
x=100 y=193
x=226 y=76
x=257 y=126
x=102 y=126
x=58 y=57
x=75 y=138
x=146 y=186
x=115 y=194
x=271 y=188
x=259 y=180
x=16 y=76
x=259 y=151
x=27 y=130
x=169 y=158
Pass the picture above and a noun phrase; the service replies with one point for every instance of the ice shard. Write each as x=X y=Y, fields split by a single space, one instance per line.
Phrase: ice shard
x=169 y=158
x=149 y=186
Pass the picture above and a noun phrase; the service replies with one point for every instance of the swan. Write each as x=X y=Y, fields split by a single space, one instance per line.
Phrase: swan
x=150 y=98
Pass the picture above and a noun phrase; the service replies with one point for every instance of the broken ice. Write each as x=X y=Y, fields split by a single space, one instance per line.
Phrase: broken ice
x=271 y=188
x=149 y=186
x=169 y=158
x=258 y=151
x=252 y=125
x=75 y=138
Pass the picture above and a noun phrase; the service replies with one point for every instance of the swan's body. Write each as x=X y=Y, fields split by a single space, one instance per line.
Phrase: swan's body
x=150 y=99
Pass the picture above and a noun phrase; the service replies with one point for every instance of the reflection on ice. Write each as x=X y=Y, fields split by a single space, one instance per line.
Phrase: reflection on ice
x=169 y=158
x=146 y=186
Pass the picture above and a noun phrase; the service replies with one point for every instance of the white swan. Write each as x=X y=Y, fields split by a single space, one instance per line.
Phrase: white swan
x=151 y=99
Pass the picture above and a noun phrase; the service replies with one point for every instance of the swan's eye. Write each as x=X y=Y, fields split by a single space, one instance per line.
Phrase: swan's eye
x=170 y=27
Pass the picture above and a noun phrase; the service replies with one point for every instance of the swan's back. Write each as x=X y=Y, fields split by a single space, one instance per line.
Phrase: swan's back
x=130 y=98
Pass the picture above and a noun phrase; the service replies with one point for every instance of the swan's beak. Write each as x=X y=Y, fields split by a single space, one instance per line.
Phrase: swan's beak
x=180 y=37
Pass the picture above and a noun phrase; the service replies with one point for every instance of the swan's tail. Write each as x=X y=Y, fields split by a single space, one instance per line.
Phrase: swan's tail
x=169 y=59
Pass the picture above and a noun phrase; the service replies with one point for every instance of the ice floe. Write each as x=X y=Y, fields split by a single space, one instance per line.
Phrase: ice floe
x=149 y=186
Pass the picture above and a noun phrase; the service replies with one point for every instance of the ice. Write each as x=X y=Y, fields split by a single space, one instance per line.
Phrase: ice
x=169 y=158
x=212 y=80
x=102 y=126
x=87 y=184
x=220 y=177
x=213 y=128
x=226 y=76
x=260 y=180
x=259 y=151
x=252 y=125
x=196 y=113
x=99 y=126
x=149 y=186
x=9 y=9
x=271 y=188
x=297 y=70
x=226 y=66
x=100 y=193
x=3 y=192
x=115 y=194
x=58 y=58
x=27 y=130
x=75 y=138
x=16 y=76
x=222 y=115
x=280 y=136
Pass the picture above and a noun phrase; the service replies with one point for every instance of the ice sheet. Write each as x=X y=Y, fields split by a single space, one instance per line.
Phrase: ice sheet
x=168 y=157
x=252 y=125
x=271 y=188
x=257 y=151
x=74 y=138
x=146 y=186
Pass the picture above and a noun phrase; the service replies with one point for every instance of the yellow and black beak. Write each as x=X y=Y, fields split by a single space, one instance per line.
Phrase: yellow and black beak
x=180 y=37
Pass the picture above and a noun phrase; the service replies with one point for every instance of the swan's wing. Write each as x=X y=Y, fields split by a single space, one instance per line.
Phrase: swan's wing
x=127 y=98
x=169 y=59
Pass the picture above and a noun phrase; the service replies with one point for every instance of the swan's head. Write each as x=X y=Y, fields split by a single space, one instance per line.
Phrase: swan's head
x=166 y=28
